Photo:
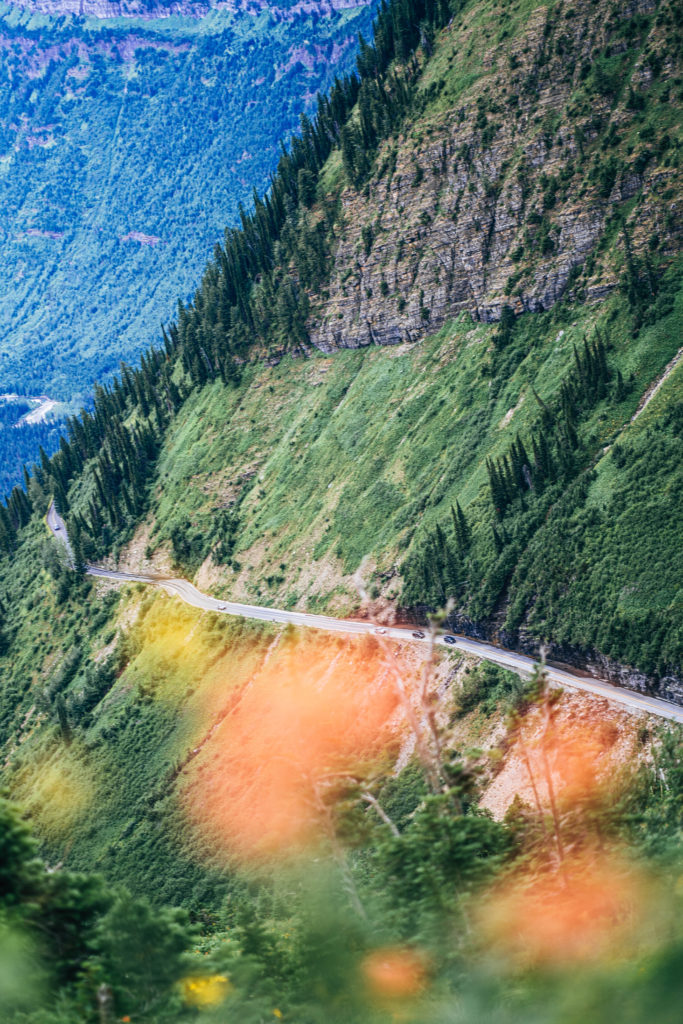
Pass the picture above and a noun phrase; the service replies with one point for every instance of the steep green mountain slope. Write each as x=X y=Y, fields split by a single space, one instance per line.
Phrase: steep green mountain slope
x=367 y=453
x=515 y=451
x=128 y=139
x=495 y=466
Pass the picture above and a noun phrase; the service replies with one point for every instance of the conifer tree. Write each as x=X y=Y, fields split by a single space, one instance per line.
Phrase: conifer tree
x=63 y=718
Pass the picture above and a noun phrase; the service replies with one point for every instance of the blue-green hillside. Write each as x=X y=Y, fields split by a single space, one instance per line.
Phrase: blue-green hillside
x=127 y=145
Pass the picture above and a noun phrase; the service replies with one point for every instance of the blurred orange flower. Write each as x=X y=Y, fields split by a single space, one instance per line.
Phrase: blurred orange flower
x=316 y=710
x=587 y=909
x=394 y=972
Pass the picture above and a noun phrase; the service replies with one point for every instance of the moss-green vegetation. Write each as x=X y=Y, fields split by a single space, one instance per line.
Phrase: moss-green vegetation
x=366 y=453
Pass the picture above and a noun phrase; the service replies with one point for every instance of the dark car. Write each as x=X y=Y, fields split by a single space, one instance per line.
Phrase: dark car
x=450 y=640
x=418 y=634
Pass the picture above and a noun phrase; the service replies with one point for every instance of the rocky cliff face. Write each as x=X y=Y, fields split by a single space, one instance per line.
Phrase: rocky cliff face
x=667 y=687
x=153 y=9
x=488 y=202
x=587 y=659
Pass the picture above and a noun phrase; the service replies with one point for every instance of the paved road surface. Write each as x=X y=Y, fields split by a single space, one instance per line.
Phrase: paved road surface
x=500 y=656
x=57 y=528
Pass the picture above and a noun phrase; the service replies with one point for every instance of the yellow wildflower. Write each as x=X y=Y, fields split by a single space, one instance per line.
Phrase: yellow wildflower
x=205 y=990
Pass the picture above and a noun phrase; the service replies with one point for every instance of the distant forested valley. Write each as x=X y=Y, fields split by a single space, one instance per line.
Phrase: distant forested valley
x=126 y=147
x=20 y=444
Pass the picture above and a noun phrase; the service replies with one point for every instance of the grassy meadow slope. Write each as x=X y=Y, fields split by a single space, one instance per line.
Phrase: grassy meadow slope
x=362 y=453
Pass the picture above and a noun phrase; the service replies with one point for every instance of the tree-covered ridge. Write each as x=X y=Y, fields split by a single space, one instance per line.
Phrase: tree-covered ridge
x=255 y=290
x=126 y=148
x=551 y=213
x=254 y=298
x=207 y=349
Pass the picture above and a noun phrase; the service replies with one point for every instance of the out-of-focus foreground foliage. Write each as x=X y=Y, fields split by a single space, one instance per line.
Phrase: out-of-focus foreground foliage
x=413 y=905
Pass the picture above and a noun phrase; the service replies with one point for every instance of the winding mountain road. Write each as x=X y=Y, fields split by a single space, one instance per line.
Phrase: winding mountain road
x=520 y=663
x=57 y=528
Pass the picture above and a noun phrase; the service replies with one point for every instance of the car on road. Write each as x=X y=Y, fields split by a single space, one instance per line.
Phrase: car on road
x=418 y=634
x=379 y=629
x=222 y=607
x=450 y=640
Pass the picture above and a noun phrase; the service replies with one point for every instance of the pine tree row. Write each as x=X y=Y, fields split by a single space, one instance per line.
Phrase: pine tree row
x=254 y=290
x=549 y=453
x=444 y=562
x=256 y=287
x=438 y=572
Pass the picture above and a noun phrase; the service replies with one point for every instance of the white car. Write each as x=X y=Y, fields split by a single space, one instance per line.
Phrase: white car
x=379 y=629
x=222 y=607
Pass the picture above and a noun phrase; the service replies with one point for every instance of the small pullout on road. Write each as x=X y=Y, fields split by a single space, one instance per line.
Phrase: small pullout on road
x=520 y=663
